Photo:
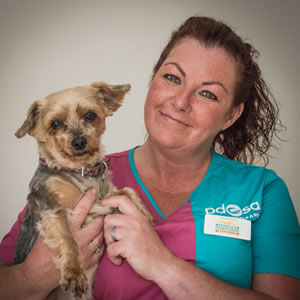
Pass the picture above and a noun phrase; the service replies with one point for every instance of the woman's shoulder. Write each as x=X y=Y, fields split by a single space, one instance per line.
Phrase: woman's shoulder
x=119 y=161
x=118 y=155
x=243 y=170
x=121 y=167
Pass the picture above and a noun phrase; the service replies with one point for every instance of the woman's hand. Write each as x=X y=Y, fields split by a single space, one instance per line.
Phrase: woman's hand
x=90 y=237
x=137 y=241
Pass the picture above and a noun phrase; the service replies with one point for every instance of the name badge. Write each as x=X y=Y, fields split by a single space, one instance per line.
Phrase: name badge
x=228 y=227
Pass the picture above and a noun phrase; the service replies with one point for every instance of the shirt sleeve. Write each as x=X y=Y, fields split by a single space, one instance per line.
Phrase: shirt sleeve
x=8 y=243
x=276 y=234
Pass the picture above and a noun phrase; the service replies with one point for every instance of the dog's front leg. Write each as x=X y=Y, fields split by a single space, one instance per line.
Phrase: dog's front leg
x=54 y=228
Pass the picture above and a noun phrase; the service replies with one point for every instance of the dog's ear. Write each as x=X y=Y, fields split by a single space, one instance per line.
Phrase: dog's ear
x=110 y=96
x=31 y=120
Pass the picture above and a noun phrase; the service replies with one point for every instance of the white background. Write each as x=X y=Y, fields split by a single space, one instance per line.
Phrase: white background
x=50 y=45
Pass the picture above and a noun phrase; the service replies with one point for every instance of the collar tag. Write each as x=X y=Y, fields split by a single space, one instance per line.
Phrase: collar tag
x=228 y=227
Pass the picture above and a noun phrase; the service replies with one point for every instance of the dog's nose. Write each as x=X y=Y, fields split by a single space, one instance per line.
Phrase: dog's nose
x=79 y=143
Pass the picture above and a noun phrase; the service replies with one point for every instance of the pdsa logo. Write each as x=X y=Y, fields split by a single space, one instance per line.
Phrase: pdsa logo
x=247 y=212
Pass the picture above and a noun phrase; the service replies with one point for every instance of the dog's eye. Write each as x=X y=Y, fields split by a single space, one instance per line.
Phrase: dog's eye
x=55 y=124
x=90 y=116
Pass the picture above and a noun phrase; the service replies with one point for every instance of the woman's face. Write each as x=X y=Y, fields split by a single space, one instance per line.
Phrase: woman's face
x=190 y=99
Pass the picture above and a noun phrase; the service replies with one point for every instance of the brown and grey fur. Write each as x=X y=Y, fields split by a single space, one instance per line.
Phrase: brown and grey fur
x=54 y=191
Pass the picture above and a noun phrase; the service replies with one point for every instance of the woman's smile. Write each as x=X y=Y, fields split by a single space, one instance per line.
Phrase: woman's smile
x=174 y=120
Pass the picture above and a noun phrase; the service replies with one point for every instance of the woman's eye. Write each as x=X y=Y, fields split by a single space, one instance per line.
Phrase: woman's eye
x=55 y=124
x=172 y=78
x=90 y=116
x=209 y=95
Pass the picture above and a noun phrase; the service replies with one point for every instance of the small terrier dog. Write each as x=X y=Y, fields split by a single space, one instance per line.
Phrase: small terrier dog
x=68 y=126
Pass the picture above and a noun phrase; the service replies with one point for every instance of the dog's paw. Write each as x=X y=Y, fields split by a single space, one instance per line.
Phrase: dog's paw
x=77 y=285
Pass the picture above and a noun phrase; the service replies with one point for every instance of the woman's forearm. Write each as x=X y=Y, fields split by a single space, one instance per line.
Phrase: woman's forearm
x=16 y=284
x=181 y=280
x=34 y=278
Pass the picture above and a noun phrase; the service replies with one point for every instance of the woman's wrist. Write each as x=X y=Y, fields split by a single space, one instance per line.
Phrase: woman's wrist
x=165 y=268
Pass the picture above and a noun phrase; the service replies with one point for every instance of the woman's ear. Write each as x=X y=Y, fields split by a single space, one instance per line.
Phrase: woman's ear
x=235 y=113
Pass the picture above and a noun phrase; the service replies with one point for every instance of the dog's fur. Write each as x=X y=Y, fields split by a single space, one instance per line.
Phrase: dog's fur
x=68 y=126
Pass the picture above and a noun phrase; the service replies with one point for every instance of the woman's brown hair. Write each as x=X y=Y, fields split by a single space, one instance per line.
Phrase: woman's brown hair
x=250 y=137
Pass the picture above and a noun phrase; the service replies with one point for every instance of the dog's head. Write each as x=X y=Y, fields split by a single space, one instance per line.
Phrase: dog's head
x=68 y=124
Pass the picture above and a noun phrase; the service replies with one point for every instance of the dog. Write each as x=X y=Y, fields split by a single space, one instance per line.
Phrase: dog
x=68 y=126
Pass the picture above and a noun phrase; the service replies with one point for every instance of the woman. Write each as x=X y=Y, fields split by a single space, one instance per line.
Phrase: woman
x=206 y=95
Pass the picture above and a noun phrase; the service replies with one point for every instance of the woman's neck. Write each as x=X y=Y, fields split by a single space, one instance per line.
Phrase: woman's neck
x=171 y=166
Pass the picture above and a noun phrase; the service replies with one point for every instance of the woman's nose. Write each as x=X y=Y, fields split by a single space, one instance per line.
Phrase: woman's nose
x=182 y=101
